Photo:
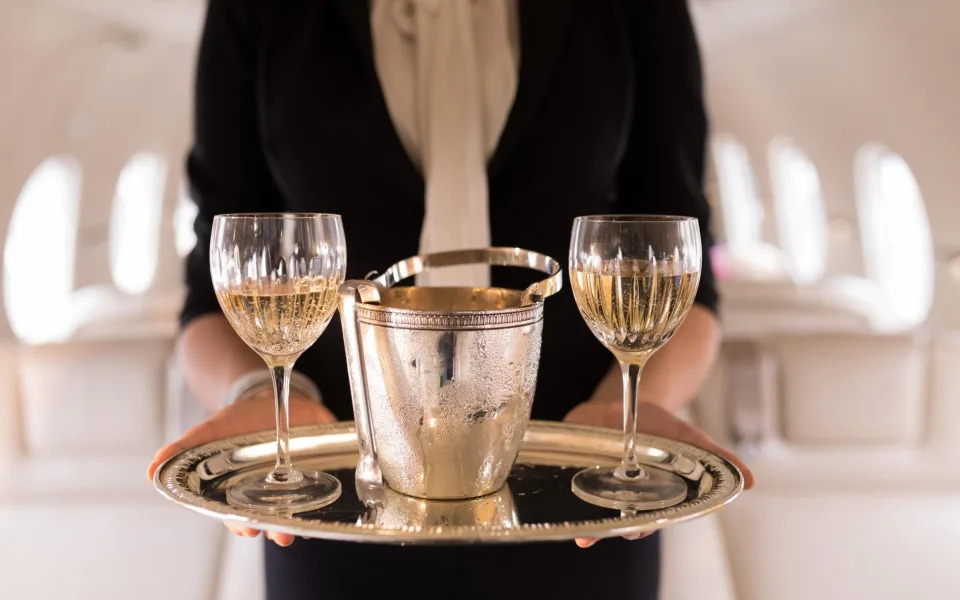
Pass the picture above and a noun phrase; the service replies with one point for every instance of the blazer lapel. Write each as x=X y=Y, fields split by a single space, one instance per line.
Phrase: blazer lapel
x=543 y=28
x=357 y=15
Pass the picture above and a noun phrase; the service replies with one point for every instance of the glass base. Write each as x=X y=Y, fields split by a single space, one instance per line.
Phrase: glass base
x=653 y=489
x=315 y=489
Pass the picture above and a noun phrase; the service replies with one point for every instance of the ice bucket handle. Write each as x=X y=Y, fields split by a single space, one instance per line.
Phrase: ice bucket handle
x=502 y=257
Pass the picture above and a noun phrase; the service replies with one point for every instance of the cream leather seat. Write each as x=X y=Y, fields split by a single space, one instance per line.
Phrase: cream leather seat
x=81 y=421
x=757 y=309
x=853 y=439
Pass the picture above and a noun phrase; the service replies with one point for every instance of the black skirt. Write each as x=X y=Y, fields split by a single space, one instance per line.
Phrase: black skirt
x=322 y=570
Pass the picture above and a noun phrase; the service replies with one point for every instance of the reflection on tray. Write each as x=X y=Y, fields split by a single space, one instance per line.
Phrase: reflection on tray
x=533 y=494
x=392 y=510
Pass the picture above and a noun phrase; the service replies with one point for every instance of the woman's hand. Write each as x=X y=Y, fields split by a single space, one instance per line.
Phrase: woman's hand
x=252 y=413
x=654 y=420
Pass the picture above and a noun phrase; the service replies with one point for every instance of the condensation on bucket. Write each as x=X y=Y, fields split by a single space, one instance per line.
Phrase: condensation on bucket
x=449 y=409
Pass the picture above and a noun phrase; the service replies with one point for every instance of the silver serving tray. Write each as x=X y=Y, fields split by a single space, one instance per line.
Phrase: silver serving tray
x=536 y=505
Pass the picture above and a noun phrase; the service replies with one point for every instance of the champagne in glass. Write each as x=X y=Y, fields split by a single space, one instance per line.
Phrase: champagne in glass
x=278 y=320
x=276 y=276
x=634 y=278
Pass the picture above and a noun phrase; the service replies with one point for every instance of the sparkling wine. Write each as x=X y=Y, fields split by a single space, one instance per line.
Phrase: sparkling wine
x=281 y=319
x=634 y=306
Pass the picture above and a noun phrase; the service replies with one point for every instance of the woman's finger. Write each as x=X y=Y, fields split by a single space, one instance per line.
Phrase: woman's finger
x=197 y=434
x=708 y=444
x=242 y=530
x=748 y=479
x=281 y=539
x=161 y=457
x=587 y=542
x=697 y=437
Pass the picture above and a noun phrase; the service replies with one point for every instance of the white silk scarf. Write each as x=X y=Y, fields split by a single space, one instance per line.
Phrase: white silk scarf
x=448 y=69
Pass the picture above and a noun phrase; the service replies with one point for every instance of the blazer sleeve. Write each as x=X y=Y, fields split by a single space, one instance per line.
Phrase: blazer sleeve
x=662 y=170
x=226 y=166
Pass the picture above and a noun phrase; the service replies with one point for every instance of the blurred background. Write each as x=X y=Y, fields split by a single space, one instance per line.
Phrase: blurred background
x=833 y=178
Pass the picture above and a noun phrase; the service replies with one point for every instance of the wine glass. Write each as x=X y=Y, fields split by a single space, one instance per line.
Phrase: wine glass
x=634 y=278
x=276 y=276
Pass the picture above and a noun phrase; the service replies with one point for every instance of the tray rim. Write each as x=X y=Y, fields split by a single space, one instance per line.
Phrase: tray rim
x=170 y=481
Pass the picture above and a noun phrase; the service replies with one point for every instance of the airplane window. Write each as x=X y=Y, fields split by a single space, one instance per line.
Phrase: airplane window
x=184 y=237
x=897 y=242
x=801 y=219
x=744 y=254
x=39 y=253
x=135 y=222
x=741 y=206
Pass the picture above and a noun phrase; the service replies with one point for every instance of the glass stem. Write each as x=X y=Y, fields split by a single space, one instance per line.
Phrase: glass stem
x=283 y=472
x=629 y=466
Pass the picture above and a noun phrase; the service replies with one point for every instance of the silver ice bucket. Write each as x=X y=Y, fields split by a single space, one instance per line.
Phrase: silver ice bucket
x=443 y=378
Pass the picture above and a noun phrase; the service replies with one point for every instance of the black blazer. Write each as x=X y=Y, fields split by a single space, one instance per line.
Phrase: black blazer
x=608 y=118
